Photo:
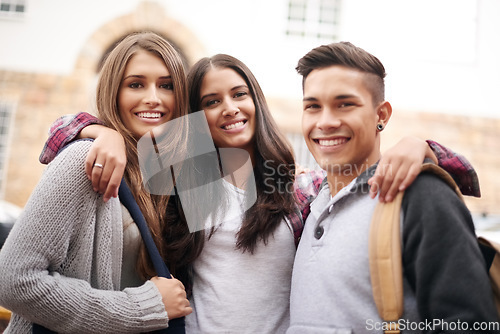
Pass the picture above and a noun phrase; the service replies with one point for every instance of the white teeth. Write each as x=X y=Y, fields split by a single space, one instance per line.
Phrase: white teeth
x=149 y=115
x=331 y=142
x=235 y=125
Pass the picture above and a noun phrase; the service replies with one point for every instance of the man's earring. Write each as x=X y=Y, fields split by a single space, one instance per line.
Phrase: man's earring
x=380 y=127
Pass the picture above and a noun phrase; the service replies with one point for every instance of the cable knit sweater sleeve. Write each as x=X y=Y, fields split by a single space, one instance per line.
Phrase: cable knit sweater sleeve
x=61 y=264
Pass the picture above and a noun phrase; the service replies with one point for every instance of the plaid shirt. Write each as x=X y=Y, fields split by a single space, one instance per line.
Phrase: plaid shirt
x=64 y=130
x=459 y=168
x=307 y=185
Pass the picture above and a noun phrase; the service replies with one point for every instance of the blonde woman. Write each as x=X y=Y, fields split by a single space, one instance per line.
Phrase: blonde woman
x=76 y=264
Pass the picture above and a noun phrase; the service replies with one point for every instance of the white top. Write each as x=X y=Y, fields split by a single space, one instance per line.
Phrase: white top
x=240 y=292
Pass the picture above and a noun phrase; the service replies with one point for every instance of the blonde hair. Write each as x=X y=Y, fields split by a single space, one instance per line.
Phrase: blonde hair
x=152 y=206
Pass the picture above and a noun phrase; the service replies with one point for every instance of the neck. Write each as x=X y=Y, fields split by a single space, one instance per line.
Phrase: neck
x=237 y=166
x=341 y=176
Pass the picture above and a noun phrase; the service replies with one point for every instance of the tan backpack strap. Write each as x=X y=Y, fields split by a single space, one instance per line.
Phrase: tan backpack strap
x=386 y=264
x=386 y=268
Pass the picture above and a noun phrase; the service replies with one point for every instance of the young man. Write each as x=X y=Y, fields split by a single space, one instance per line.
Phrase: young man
x=446 y=287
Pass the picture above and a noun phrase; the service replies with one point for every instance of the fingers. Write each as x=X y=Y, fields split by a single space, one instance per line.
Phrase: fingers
x=187 y=310
x=105 y=168
x=173 y=296
x=106 y=161
x=173 y=293
x=412 y=174
x=387 y=179
x=381 y=181
x=106 y=176
x=391 y=184
x=398 y=168
x=390 y=178
x=114 y=182
x=89 y=162
x=111 y=177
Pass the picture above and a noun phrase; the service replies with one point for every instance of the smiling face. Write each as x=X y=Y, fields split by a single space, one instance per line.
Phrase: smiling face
x=145 y=98
x=339 y=120
x=229 y=109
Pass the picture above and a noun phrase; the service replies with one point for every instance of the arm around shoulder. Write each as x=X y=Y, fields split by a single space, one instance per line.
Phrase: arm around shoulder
x=64 y=130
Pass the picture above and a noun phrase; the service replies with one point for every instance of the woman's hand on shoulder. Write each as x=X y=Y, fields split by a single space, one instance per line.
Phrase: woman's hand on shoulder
x=398 y=167
x=106 y=160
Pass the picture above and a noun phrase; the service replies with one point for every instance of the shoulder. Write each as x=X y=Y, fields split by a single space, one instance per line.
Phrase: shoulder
x=75 y=150
x=430 y=189
x=431 y=204
x=67 y=170
x=72 y=156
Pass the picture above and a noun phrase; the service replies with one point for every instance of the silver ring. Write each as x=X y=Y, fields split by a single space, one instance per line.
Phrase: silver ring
x=98 y=165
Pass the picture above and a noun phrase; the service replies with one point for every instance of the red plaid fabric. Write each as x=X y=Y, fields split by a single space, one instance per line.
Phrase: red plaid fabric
x=64 y=130
x=459 y=168
x=306 y=187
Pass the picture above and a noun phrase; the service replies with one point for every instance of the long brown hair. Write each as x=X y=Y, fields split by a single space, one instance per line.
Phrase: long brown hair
x=164 y=219
x=274 y=167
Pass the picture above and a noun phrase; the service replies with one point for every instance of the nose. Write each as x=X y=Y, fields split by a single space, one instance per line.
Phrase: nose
x=151 y=97
x=230 y=108
x=328 y=120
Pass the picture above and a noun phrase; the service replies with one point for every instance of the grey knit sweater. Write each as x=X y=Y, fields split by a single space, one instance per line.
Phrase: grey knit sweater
x=61 y=264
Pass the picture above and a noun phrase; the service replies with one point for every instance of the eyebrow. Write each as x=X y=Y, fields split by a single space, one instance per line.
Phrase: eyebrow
x=142 y=77
x=240 y=86
x=309 y=99
x=234 y=88
x=338 y=97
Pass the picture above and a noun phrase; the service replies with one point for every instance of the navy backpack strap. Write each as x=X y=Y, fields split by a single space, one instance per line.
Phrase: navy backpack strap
x=176 y=326
x=128 y=200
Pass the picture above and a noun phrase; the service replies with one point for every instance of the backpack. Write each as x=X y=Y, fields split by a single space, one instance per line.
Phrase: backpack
x=386 y=267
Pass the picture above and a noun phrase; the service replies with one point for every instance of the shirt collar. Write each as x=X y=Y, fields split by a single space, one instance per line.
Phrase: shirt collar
x=361 y=180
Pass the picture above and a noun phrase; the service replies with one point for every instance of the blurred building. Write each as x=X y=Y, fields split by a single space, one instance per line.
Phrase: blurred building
x=442 y=58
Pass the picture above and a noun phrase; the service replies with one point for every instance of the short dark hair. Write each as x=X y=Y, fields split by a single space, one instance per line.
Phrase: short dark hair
x=348 y=55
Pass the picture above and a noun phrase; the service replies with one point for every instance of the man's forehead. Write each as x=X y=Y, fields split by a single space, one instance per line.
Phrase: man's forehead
x=336 y=79
x=333 y=73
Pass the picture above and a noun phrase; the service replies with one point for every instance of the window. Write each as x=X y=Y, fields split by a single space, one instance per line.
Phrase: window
x=317 y=19
x=6 y=122
x=12 y=8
